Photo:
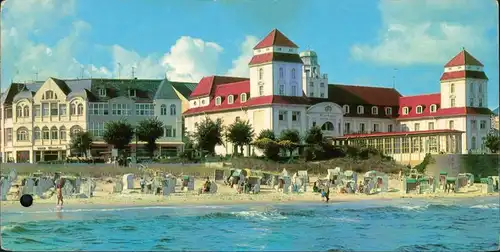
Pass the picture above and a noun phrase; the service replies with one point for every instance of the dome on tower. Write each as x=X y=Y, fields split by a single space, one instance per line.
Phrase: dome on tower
x=308 y=53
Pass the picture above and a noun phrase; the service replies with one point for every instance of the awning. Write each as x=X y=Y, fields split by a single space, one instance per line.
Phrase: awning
x=451 y=179
x=443 y=173
x=411 y=180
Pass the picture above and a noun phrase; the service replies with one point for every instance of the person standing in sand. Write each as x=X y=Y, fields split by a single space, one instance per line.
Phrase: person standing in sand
x=59 y=194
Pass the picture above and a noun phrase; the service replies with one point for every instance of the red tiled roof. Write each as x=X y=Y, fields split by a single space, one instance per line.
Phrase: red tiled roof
x=463 y=74
x=207 y=84
x=401 y=133
x=412 y=102
x=275 y=38
x=463 y=58
x=445 y=112
x=362 y=95
x=274 y=56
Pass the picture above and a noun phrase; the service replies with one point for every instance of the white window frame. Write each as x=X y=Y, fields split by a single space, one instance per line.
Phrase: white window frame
x=346 y=109
x=173 y=109
x=406 y=110
x=433 y=108
x=243 y=97
x=230 y=99
x=282 y=116
x=419 y=109
x=144 y=109
x=132 y=92
x=360 y=109
x=388 y=111
x=163 y=109
x=374 y=110
x=218 y=101
x=102 y=92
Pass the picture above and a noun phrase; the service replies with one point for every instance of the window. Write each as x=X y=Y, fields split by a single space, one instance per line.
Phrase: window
x=97 y=129
x=417 y=126
x=282 y=89
x=218 y=100
x=261 y=90
x=22 y=134
x=472 y=88
x=482 y=124
x=79 y=109
x=420 y=109
x=102 y=92
x=36 y=110
x=405 y=144
x=322 y=95
x=361 y=110
x=45 y=109
x=473 y=143
x=8 y=112
x=261 y=74
x=328 y=126
x=144 y=109
x=430 y=126
x=62 y=133
x=389 y=128
x=311 y=84
x=99 y=108
x=243 y=97
x=62 y=109
x=173 y=109
x=36 y=133
x=120 y=109
x=388 y=111
x=415 y=144
x=282 y=116
x=452 y=88
x=8 y=134
x=311 y=94
x=433 y=108
x=362 y=127
x=26 y=111
x=49 y=95
x=293 y=73
x=406 y=110
x=75 y=130
x=19 y=111
x=203 y=102
x=328 y=109
x=404 y=128
x=281 y=73
x=45 y=133
x=322 y=85
x=54 y=110
x=451 y=125
x=295 y=116
x=230 y=99
x=480 y=103
x=376 y=127
x=347 y=128
x=473 y=124
x=346 y=109
x=168 y=131
x=72 y=109
x=54 y=133
x=480 y=88
x=163 y=109
x=237 y=119
x=471 y=102
x=131 y=92
x=452 y=102
x=194 y=103
x=314 y=124
x=433 y=147
x=374 y=110
x=294 y=90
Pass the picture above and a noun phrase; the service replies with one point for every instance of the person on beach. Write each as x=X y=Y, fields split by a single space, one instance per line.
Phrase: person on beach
x=206 y=185
x=60 y=200
x=143 y=184
x=315 y=187
x=325 y=193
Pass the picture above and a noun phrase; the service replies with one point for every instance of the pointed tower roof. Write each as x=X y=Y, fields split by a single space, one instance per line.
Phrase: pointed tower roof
x=275 y=38
x=463 y=58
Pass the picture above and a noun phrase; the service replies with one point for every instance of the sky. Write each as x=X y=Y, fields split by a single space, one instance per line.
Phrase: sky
x=404 y=43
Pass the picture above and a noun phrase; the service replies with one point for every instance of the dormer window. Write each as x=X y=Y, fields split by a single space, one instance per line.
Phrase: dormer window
x=388 y=111
x=131 y=92
x=361 y=110
x=346 y=109
x=420 y=109
x=243 y=97
x=230 y=99
x=102 y=92
x=49 y=95
x=218 y=100
x=406 y=110
x=433 y=108
x=374 y=110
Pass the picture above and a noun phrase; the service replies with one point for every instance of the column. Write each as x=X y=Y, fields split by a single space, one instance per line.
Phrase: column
x=42 y=156
x=383 y=146
x=439 y=143
x=15 y=156
x=32 y=156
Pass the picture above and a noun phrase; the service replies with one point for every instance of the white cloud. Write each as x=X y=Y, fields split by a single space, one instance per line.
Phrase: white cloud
x=431 y=35
x=240 y=65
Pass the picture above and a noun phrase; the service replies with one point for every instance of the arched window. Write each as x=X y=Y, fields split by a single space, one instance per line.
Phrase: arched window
x=173 y=110
x=346 y=109
x=26 y=111
x=54 y=133
x=45 y=133
x=281 y=73
x=374 y=110
x=473 y=143
x=406 y=110
x=293 y=73
x=80 y=109
x=62 y=133
x=72 y=109
x=19 y=111
x=22 y=134
x=420 y=109
x=452 y=88
x=230 y=99
x=388 y=111
x=328 y=126
x=36 y=133
x=163 y=109
x=433 y=108
x=243 y=97
x=452 y=102
x=75 y=130
x=451 y=124
x=361 y=110
x=218 y=100
x=261 y=74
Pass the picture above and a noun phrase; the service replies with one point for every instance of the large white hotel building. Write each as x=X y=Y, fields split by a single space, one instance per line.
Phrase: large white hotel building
x=286 y=89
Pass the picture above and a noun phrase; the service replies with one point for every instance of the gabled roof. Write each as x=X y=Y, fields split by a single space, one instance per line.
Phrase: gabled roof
x=165 y=91
x=274 y=56
x=62 y=85
x=463 y=58
x=12 y=91
x=207 y=84
x=275 y=38
x=362 y=95
x=184 y=88
x=464 y=74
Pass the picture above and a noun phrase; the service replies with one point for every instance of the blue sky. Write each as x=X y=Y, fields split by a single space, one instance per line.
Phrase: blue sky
x=358 y=42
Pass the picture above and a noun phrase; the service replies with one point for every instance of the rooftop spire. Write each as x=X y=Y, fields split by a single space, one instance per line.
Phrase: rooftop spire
x=275 y=38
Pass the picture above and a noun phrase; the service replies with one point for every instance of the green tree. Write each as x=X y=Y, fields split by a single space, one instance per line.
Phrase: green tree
x=240 y=133
x=266 y=141
x=81 y=142
x=208 y=134
x=492 y=142
x=149 y=130
x=314 y=136
x=289 y=140
x=189 y=147
x=118 y=133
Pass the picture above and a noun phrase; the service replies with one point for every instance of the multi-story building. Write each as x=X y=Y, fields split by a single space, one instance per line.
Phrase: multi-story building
x=406 y=127
x=40 y=118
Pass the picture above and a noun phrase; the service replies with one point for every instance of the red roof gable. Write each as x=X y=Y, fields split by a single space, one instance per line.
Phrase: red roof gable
x=400 y=133
x=274 y=56
x=207 y=84
x=362 y=95
x=463 y=74
x=275 y=38
x=463 y=58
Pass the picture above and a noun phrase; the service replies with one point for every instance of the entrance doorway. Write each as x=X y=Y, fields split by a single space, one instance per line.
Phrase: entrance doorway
x=50 y=155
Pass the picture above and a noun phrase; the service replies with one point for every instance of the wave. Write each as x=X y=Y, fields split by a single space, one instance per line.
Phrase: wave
x=487 y=206
x=14 y=228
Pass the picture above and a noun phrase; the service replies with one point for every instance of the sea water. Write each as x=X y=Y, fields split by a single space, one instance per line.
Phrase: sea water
x=392 y=225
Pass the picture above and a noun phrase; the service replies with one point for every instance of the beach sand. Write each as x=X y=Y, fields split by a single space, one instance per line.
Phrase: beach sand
x=103 y=197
